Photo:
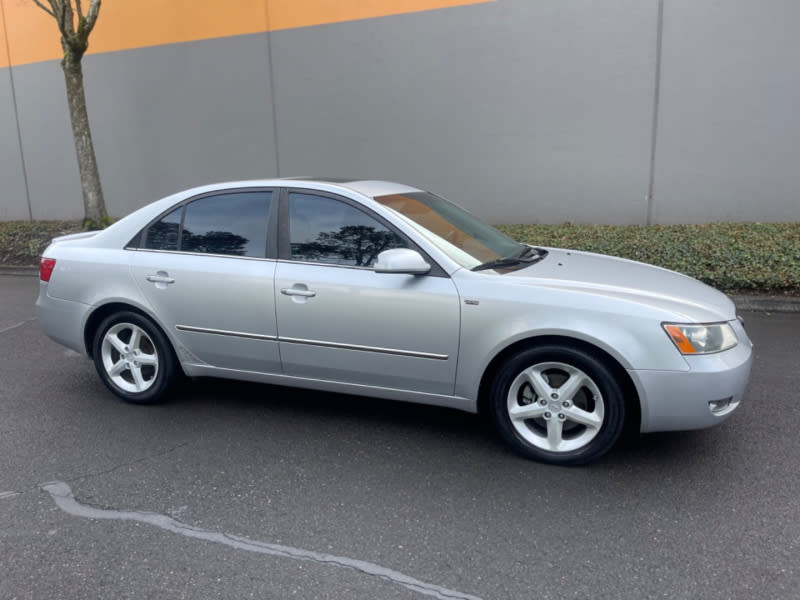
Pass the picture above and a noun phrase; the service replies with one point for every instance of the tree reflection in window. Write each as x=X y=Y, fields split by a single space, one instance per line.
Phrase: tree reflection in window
x=163 y=235
x=327 y=230
x=354 y=245
x=214 y=242
x=230 y=223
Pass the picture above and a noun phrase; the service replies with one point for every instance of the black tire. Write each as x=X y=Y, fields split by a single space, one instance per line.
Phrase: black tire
x=134 y=358
x=577 y=414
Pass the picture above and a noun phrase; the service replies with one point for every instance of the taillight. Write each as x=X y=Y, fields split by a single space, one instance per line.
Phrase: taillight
x=46 y=266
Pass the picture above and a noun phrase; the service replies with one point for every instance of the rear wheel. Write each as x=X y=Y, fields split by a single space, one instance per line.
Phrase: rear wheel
x=558 y=405
x=133 y=358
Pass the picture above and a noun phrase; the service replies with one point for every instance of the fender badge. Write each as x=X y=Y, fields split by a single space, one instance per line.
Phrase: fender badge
x=472 y=302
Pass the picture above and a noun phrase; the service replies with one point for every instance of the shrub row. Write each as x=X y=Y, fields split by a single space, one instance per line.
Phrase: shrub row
x=734 y=257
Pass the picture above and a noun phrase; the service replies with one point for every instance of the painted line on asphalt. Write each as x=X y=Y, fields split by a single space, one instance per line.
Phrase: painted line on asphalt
x=4 y=495
x=63 y=497
x=25 y=322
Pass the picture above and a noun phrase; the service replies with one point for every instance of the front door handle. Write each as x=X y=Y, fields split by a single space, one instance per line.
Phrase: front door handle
x=293 y=291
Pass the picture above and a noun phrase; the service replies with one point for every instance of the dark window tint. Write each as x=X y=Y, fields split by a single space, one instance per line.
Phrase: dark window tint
x=328 y=231
x=234 y=224
x=163 y=235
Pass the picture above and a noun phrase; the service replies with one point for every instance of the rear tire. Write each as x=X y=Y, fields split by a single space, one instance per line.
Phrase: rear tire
x=134 y=358
x=558 y=405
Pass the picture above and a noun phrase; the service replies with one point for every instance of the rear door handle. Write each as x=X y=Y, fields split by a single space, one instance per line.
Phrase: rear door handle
x=298 y=292
x=160 y=279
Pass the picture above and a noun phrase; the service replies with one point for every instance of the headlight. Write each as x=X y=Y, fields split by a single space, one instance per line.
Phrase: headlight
x=701 y=339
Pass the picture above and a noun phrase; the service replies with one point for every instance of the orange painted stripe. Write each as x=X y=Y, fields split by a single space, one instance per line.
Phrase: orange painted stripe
x=125 y=24
x=286 y=14
x=4 y=60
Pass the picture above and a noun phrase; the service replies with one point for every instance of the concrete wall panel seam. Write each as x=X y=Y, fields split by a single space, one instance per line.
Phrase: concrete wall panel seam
x=651 y=200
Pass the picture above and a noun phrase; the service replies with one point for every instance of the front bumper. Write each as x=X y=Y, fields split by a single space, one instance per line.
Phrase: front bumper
x=680 y=400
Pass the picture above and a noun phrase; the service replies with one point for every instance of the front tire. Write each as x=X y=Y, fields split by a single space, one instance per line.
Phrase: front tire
x=133 y=358
x=558 y=405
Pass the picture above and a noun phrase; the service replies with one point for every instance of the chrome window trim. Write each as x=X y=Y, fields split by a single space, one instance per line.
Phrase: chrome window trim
x=378 y=349
x=134 y=249
x=323 y=264
x=240 y=334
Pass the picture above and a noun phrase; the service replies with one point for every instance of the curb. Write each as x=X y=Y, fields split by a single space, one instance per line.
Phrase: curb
x=755 y=302
x=24 y=271
x=785 y=304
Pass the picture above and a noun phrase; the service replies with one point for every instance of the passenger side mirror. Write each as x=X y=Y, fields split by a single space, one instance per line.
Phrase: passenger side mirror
x=401 y=260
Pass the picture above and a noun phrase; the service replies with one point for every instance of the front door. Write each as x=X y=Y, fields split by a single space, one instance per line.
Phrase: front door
x=338 y=320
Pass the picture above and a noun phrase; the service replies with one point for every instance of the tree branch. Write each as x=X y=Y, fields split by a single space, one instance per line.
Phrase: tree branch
x=44 y=8
x=69 y=23
x=60 y=9
x=91 y=17
x=79 y=10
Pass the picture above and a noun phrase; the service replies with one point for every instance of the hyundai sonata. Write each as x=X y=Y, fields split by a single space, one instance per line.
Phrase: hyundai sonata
x=385 y=290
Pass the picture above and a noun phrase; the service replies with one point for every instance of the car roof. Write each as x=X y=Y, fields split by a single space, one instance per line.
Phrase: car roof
x=367 y=187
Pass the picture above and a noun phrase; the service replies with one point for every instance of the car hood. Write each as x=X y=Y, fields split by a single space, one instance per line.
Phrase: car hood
x=676 y=295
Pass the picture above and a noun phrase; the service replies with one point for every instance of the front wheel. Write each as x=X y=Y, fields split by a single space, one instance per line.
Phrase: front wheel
x=558 y=405
x=133 y=358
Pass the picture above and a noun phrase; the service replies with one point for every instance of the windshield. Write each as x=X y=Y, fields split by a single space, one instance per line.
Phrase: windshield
x=464 y=238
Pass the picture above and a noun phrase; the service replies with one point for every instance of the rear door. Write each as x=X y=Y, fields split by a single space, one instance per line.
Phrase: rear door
x=203 y=268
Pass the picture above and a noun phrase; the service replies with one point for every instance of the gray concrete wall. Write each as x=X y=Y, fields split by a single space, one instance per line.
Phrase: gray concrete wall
x=13 y=197
x=522 y=110
x=163 y=119
x=728 y=145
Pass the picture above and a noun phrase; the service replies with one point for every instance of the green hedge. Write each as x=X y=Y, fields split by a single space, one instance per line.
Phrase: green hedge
x=734 y=257
x=22 y=242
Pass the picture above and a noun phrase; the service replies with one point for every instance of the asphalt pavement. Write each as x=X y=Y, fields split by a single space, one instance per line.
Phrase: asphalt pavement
x=234 y=490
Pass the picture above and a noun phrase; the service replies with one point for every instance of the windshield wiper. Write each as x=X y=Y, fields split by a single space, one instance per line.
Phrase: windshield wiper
x=500 y=263
x=528 y=255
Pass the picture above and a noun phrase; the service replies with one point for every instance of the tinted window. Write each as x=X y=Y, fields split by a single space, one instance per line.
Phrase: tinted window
x=329 y=231
x=233 y=224
x=227 y=224
x=163 y=235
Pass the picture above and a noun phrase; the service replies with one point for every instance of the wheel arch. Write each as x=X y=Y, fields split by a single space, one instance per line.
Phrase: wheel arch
x=100 y=313
x=633 y=410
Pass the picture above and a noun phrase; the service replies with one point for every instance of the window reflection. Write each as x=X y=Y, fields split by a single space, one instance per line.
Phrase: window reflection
x=328 y=231
x=233 y=224
x=214 y=242
x=164 y=234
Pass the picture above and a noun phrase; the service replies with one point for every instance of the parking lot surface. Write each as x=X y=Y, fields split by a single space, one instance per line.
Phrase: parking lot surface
x=233 y=490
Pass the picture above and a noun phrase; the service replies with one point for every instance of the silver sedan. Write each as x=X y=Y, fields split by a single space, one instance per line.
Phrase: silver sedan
x=385 y=290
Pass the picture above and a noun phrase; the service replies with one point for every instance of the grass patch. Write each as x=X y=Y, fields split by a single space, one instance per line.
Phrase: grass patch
x=734 y=257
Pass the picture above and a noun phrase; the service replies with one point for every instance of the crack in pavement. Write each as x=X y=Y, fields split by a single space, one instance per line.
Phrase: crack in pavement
x=20 y=324
x=63 y=497
x=136 y=461
x=86 y=476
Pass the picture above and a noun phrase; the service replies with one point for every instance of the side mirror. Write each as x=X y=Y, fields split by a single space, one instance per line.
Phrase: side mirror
x=401 y=260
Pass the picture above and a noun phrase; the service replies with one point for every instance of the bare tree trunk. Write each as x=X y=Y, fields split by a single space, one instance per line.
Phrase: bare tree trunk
x=93 y=203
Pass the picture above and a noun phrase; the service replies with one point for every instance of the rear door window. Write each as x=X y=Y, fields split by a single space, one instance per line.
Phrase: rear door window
x=232 y=224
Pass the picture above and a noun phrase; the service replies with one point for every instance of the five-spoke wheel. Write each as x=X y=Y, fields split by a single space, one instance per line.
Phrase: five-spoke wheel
x=133 y=358
x=558 y=404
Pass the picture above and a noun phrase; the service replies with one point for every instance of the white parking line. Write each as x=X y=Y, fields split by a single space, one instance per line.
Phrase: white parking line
x=65 y=500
